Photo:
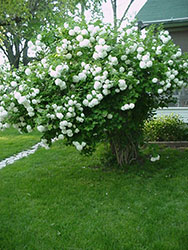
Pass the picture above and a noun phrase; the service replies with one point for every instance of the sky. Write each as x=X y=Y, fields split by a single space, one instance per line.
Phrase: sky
x=108 y=14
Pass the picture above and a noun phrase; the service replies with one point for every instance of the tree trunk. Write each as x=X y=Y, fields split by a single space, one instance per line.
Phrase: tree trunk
x=114 y=8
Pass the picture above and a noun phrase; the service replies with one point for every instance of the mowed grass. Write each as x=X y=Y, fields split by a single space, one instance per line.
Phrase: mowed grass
x=12 y=142
x=58 y=199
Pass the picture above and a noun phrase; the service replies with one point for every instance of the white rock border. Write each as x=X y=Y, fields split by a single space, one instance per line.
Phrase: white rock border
x=25 y=153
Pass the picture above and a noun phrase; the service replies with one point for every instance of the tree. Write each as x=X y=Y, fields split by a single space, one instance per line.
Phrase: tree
x=97 y=86
x=114 y=8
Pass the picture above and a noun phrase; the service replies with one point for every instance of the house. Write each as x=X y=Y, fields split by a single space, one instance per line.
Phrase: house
x=173 y=15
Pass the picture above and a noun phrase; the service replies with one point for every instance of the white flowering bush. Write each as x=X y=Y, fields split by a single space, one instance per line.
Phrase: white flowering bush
x=90 y=84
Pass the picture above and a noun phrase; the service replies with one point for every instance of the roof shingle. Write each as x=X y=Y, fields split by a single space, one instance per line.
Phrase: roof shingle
x=155 y=10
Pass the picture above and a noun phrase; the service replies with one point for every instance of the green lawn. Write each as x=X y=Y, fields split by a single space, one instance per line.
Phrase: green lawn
x=12 y=142
x=58 y=199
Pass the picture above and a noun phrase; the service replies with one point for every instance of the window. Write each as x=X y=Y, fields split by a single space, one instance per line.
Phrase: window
x=182 y=98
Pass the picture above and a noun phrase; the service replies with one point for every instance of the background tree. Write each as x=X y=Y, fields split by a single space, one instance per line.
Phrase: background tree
x=20 y=20
x=114 y=9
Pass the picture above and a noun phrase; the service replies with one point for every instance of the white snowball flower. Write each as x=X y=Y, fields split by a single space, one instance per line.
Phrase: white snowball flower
x=22 y=100
x=109 y=116
x=66 y=25
x=94 y=102
x=77 y=19
x=154 y=80
x=98 y=69
x=61 y=137
x=113 y=60
x=70 y=102
x=68 y=56
x=59 y=68
x=139 y=56
x=149 y=64
x=36 y=91
x=28 y=71
x=85 y=43
x=84 y=32
x=54 y=73
x=34 y=101
x=15 y=110
x=105 y=91
x=85 y=102
x=158 y=52
x=122 y=84
x=97 y=85
x=125 y=107
x=41 y=128
x=140 y=49
x=39 y=37
x=89 y=97
x=30 y=44
x=157 y=158
x=121 y=69
x=77 y=29
x=59 y=115
x=58 y=81
x=71 y=109
x=123 y=57
x=168 y=85
x=13 y=84
x=160 y=91
x=96 y=56
x=29 y=129
x=128 y=106
x=82 y=76
x=101 y=41
x=75 y=79
x=79 y=38
x=99 y=96
x=117 y=90
x=71 y=32
x=142 y=65
x=131 y=105
x=79 y=53
x=146 y=58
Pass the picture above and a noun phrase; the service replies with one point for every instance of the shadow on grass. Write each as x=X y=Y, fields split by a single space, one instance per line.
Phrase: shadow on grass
x=170 y=160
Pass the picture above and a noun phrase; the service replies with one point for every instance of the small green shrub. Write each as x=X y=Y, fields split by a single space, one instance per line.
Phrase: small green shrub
x=166 y=128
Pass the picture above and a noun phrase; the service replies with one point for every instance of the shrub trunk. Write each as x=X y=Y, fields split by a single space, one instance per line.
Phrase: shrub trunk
x=125 y=148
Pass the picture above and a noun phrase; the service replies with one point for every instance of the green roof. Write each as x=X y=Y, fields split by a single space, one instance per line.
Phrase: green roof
x=162 y=10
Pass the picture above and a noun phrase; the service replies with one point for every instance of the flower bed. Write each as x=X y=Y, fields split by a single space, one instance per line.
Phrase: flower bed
x=171 y=144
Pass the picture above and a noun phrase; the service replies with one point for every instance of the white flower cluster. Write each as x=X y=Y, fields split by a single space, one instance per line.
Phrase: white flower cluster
x=70 y=111
x=41 y=128
x=24 y=100
x=164 y=36
x=58 y=70
x=101 y=49
x=60 y=83
x=79 y=146
x=145 y=60
x=36 y=47
x=3 y=113
x=122 y=84
x=128 y=106
x=153 y=159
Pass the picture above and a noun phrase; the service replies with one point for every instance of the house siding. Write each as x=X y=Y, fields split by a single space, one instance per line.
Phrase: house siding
x=182 y=112
x=180 y=37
